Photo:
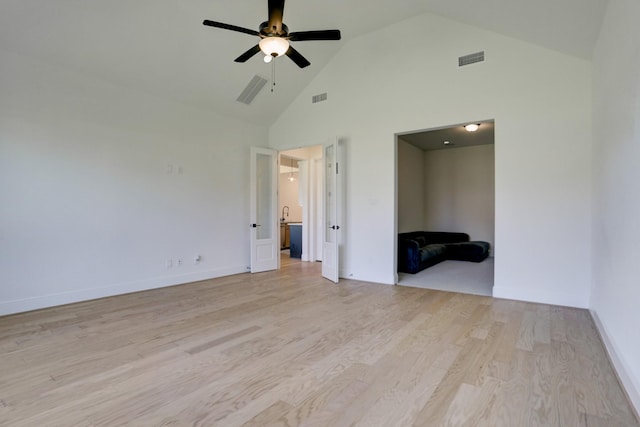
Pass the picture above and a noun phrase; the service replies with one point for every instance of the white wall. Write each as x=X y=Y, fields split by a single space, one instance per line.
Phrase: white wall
x=411 y=188
x=459 y=191
x=101 y=186
x=615 y=302
x=288 y=196
x=541 y=103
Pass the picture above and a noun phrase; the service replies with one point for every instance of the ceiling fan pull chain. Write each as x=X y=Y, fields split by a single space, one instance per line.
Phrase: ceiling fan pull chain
x=273 y=75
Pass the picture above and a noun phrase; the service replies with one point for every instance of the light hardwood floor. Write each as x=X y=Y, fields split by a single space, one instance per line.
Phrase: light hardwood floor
x=288 y=348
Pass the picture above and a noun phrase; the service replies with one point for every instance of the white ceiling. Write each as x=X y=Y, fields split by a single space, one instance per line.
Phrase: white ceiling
x=162 y=48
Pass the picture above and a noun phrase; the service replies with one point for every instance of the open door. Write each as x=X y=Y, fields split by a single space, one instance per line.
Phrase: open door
x=330 y=255
x=264 y=201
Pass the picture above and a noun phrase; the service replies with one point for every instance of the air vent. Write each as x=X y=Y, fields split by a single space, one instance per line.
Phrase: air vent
x=472 y=58
x=255 y=85
x=319 y=98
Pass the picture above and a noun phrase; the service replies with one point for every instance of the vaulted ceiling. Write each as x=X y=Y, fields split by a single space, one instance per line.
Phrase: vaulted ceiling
x=161 y=47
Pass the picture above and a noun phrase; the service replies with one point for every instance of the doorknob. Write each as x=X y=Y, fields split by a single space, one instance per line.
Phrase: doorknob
x=254 y=225
x=335 y=227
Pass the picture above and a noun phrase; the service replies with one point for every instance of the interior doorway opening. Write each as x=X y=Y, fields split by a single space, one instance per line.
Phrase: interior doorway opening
x=300 y=203
x=446 y=184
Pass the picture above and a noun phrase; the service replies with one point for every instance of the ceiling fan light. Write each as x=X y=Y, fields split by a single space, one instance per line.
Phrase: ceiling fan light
x=268 y=58
x=274 y=45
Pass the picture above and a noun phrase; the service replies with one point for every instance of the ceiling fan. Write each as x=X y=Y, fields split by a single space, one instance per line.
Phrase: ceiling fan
x=275 y=37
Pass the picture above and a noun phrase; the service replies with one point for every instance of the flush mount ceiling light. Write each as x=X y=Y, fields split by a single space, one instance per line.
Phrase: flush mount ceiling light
x=472 y=127
x=273 y=47
x=446 y=142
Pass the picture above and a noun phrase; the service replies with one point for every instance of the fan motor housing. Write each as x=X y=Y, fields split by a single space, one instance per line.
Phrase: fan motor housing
x=265 y=30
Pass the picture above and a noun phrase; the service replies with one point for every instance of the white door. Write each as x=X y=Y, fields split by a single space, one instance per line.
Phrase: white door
x=331 y=201
x=316 y=208
x=265 y=230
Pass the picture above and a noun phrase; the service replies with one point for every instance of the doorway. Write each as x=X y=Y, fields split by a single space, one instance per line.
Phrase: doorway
x=300 y=203
x=446 y=183
x=319 y=195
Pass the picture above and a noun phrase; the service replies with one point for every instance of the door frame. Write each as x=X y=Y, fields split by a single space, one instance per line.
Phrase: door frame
x=315 y=203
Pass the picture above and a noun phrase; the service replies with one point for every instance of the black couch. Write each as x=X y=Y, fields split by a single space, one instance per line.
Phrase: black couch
x=418 y=250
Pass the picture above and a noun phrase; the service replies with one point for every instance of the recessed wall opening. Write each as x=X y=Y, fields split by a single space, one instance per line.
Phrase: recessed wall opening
x=445 y=208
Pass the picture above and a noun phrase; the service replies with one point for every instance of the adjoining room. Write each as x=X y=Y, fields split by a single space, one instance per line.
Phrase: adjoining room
x=446 y=212
x=300 y=203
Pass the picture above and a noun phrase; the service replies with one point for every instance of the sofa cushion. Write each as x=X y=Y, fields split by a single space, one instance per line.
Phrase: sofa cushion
x=475 y=251
x=429 y=237
x=421 y=241
x=444 y=237
x=431 y=251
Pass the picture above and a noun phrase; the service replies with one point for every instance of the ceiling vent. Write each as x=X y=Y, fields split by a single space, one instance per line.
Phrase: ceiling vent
x=472 y=58
x=319 y=98
x=255 y=85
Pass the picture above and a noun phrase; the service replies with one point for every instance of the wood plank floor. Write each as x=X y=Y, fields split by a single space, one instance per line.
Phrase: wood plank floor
x=288 y=348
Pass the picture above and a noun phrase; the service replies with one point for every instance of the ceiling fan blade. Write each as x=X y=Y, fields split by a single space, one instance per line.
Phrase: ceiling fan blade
x=296 y=57
x=301 y=36
x=248 y=54
x=276 y=9
x=230 y=27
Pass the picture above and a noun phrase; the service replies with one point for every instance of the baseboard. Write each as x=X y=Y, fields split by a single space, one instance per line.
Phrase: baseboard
x=630 y=385
x=52 y=300
x=540 y=296
x=345 y=274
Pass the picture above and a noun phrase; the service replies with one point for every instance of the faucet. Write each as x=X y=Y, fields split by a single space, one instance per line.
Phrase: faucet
x=283 y=208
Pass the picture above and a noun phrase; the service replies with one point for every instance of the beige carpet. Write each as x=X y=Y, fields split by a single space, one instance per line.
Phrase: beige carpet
x=454 y=276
